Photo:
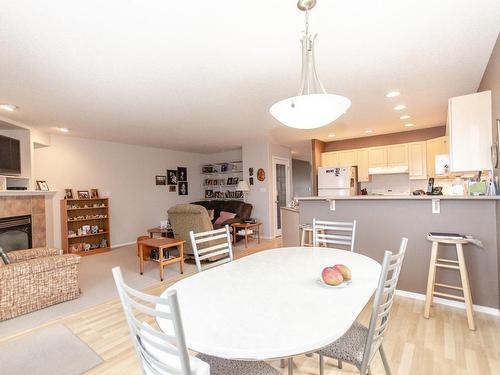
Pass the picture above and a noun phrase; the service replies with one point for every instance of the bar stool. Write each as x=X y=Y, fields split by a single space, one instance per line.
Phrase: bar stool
x=306 y=231
x=458 y=265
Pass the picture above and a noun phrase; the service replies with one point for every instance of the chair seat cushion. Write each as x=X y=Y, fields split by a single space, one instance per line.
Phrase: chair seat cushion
x=221 y=366
x=350 y=347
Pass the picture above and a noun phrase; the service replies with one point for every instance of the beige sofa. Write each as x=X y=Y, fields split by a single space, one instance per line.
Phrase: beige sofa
x=37 y=278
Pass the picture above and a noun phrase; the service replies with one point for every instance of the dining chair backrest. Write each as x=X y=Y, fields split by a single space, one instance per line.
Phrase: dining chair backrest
x=153 y=346
x=337 y=233
x=213 y=245
x=382 y=302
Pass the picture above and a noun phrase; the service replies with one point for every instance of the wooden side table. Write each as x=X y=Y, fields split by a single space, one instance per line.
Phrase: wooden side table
x=160 y=244
x=458 y=265
x=246 y=227
x=163 y=232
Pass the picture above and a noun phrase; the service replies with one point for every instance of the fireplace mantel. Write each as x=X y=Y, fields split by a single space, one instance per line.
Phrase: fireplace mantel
x=24 y=193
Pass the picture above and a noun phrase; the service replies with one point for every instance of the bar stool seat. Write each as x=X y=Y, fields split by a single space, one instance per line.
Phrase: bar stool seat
x=458 y=265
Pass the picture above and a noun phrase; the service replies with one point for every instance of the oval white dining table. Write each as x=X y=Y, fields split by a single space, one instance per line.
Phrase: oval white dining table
x=270 y=304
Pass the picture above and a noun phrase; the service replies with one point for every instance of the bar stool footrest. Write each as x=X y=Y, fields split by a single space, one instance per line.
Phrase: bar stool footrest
x=448 y=261
x=447 y=266
x=448 y=286
x=446 y=295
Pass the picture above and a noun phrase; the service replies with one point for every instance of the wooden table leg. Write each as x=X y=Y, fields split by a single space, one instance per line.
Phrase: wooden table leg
x=246 y=238
x=160 y=250
x=234 y=236
x=181 y=254
x=430 y=280
x=258 y=233
x=141 y=258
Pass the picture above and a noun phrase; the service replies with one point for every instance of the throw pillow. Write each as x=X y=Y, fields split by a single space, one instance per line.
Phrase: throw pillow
x=211 y=214
x=4 y=256
x=224 y=216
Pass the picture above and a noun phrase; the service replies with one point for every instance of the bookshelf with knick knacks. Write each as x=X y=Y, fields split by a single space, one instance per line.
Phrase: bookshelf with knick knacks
x=85 y=228
x=220 y=180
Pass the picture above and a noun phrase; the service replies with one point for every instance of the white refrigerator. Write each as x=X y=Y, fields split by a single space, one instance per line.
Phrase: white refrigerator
x=334 y=181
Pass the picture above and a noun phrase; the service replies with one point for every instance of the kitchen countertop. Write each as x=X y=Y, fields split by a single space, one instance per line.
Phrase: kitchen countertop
x=399 y=197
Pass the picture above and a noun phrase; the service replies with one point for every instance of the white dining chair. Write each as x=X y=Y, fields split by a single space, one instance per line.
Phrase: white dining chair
x=222 y=251
x=158 y=352
x=336 y=233
x=359 y=344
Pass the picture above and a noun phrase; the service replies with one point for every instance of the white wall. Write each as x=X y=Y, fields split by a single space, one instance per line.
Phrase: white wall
x=125 y=172
x=220 y=157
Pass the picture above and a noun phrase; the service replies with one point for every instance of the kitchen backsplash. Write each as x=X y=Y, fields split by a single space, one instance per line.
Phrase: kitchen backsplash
x=399 y=184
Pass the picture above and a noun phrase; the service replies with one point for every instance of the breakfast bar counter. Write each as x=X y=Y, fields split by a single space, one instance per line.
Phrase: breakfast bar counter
x=383 y=220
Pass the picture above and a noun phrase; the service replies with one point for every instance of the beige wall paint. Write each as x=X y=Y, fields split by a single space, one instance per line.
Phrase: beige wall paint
x=125 y=172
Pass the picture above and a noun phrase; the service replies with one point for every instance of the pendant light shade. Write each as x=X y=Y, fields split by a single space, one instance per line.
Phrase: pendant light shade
x=313 y=107
x=310 y=111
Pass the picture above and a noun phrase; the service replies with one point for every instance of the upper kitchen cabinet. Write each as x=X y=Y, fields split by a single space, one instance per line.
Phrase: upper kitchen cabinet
x=329 y=159
x=436 y=146
x=470 y=130
x=362 y=156
x=397 y=155
x=348 y=158
x=377 y=157
x=417 y=166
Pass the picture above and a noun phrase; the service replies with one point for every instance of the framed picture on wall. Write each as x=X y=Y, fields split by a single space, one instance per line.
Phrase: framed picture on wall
x=182 y=174
x=171 y=177
x=161 y=180
x=183 y=188
x=172 y=188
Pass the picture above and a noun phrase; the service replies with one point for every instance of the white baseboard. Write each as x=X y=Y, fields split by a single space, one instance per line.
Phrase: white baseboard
x=123 y=244
x=447 y=302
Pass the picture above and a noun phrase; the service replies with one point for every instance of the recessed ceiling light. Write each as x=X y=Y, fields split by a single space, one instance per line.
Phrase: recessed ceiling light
x=408 y=125
x=405 y=117
x=399 y=107
x=9 y=107
x=368 y=131
x=392 y=94
x=331 y=135
x=63 y=130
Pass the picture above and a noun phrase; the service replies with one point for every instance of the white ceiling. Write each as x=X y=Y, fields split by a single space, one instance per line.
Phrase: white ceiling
x=199 y=75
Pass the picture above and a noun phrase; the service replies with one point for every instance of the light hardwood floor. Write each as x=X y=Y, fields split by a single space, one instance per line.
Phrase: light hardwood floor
x=414 y=345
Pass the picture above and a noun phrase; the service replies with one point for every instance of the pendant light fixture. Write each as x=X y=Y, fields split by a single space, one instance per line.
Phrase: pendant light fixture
x=313 y=107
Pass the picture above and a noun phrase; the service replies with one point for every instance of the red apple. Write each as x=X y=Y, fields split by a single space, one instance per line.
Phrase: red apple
x=344 y=270
x=332 y=276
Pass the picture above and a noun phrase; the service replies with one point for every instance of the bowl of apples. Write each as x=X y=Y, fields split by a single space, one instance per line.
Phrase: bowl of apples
x=337 y=276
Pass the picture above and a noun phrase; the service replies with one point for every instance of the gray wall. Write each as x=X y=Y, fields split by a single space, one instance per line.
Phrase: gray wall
x=382 y=223
x=301 y=178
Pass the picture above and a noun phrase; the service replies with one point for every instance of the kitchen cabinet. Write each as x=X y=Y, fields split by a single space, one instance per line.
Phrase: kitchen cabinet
x=397 y=155
x=377 y=157
x=362 y=158
x=347 y=158
x=436 y=146
x=329 y=159
x=417 y=160
x=470 y=129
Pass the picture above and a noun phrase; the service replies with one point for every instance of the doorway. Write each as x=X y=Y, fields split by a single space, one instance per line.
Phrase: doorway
x=281 y=190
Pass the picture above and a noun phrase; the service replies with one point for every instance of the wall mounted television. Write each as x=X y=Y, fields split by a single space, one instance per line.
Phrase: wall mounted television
x=10 y=155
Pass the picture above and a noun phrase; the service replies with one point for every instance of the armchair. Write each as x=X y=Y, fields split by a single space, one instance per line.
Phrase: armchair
x=35 y=279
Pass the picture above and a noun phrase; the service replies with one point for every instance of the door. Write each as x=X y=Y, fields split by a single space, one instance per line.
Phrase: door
x=397 y=155
x=417 y=161
x=329 y=159
x=377 y=157
x=281 y=190
x=362 y=158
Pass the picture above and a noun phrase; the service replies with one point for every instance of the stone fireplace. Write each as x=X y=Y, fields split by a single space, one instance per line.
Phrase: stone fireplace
x=23 y=214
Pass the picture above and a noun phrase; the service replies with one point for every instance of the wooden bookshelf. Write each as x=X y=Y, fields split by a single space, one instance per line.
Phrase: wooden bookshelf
x=75 y=213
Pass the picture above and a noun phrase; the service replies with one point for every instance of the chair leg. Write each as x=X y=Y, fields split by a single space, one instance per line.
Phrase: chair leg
x=384 y=360
x=321 y=365
x=369 y=371
x=339 y=363
x=282 y=363
x=290 y=366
